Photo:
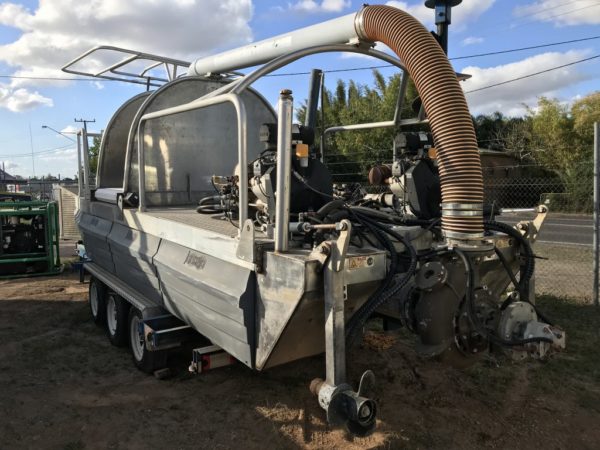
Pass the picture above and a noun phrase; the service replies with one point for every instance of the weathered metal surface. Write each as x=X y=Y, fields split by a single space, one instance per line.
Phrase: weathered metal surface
x=335 y=297
x=94 y=231
x=289 y=304
x=132 y=253
x=215 y=223
x=122 y=288
x=175 y=145
x=215 y=297
x=111 y=160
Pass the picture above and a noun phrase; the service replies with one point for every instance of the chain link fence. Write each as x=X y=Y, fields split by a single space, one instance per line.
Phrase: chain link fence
x=564 y=266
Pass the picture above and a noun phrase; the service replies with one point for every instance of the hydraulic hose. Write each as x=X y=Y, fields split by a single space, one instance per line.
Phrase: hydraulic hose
x=210 y=205
x=528 y=254
x=387 y=289
x=458 y=158
x=472 y=313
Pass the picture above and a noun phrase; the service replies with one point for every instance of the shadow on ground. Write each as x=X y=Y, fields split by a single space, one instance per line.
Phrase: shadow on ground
x=65 y=387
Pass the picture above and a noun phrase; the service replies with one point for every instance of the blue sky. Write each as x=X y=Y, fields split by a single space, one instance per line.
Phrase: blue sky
x=38 y=37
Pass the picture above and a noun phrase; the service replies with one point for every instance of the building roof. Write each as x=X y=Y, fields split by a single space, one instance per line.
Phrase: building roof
x=4 y=177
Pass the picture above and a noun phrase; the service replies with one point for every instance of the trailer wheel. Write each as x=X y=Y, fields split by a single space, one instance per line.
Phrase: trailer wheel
x=97 y=301
x=117 y=310
x=144 y=359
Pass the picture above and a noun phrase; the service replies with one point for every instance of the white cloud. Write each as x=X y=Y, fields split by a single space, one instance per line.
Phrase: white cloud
x=313 y=6
x=509 y=98
x=581 y=12
x=467 y=12
x=472 y=40
x=21 y=99
x=10 y=166
x=69 y=129
x=59 y=30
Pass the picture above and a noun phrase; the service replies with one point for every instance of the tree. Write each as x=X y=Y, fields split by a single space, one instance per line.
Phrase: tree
x=94 y=151
x=563 y=140
x=351 y=153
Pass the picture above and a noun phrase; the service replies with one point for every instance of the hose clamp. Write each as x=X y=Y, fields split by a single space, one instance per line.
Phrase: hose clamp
x=462 y=209
x=359 y=24
x=462 y=236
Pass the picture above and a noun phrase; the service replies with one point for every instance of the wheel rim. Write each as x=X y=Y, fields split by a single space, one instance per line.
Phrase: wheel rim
x=136 y=339
x=94 y=299
x=111 y=315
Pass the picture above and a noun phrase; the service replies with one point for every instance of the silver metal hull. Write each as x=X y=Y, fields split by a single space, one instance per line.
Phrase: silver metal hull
x=168 y=261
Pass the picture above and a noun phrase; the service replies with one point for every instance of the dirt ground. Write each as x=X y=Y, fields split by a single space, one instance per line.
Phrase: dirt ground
x=63 y=386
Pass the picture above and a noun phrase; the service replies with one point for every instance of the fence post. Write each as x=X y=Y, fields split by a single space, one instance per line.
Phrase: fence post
x=596 y=212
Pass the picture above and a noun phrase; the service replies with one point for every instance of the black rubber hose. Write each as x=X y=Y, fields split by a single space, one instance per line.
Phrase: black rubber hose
x=357 y=320
x=329 y=207
x=528 y=254
x=472 y=314
x=389 y=289
x=207 y=205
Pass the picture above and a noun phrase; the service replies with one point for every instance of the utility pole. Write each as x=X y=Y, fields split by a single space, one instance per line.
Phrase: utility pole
x=85 y=122
x=596 y=292
x=32 y=155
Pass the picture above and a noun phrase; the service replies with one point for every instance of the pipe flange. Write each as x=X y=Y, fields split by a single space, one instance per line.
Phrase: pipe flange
x=463 y=236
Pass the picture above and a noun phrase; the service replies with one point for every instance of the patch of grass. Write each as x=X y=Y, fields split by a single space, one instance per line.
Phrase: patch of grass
x=579 y=364
x=574 y=371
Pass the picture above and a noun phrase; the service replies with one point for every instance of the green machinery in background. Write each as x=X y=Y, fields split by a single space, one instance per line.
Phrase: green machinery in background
x=29 y=237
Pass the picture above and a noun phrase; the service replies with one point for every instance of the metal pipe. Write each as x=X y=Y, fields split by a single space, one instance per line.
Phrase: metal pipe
x=335 y=31
x=86 y=163
x=286 y=59
x=365 y=126
x=322 y=137
x=312 y=104
x=79 y=170
x=284 y=169
x=517 y=210
x=596 y=213
x=240 y=109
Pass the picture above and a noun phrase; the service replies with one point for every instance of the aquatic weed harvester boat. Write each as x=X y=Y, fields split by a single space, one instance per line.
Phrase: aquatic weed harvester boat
x=213 y=213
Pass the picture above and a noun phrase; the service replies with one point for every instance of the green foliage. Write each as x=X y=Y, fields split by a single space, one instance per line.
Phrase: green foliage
x=94 y=150
x=351 y=153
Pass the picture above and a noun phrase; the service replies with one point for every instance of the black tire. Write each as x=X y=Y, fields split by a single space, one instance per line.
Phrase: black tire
x=144 y=359
x=97 y=301
x=117 y=310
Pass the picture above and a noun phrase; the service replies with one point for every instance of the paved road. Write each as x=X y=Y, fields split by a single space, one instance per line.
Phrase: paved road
x=561 y=228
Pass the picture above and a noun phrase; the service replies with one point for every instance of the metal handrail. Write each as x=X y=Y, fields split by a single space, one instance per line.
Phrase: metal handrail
x=200 y=103
x=129 y=77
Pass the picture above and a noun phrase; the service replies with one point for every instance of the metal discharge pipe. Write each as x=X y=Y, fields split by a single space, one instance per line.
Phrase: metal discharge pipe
x=284 y=170
x=461 y=176
x=312 y=104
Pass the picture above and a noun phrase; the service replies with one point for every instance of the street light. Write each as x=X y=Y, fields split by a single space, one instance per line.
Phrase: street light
x=59 y=132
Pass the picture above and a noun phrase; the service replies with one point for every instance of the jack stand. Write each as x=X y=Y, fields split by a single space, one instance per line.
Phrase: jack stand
x=343 y=405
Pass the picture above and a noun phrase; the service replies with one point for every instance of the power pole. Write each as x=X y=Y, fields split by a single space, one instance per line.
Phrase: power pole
x=85 y=122
x=32 y=155
x=596 y=293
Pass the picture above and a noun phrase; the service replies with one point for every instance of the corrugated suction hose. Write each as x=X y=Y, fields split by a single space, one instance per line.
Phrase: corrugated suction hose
x=461 y=177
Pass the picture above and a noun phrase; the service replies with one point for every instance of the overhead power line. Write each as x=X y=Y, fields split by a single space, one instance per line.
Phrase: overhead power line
x=532 y=47
x=41 y=152
x=532 y=74
x=353 y=69
x=382 y=66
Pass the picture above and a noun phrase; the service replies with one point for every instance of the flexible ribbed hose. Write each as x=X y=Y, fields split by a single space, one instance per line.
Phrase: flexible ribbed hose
x=443 y=99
